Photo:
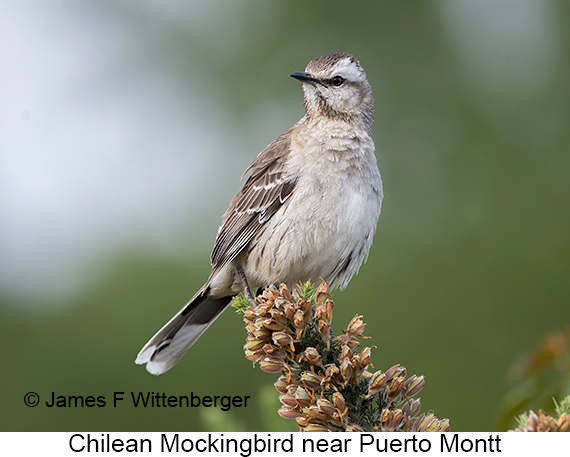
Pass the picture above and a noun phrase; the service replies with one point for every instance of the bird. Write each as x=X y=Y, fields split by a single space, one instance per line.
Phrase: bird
x=308 y=210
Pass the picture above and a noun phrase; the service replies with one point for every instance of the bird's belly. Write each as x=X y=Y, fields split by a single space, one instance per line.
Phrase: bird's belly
x=315 y=237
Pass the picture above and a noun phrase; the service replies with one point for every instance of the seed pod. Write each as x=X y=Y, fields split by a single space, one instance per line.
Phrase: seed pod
x=283 y=340
x=252 y=344
x=272 y=365
x=289 y=413
x=413 y=385
x=325 y=406
x=281 y=384
x=310 y=379
x=339 y=403
x=303 y=397
x=312 y=356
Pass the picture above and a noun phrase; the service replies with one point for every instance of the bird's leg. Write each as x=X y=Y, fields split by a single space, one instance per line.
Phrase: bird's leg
x=244 y=284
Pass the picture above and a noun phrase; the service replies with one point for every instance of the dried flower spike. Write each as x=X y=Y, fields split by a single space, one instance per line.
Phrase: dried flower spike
x=326 y=383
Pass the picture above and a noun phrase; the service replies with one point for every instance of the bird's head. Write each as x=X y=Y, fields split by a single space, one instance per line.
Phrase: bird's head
x=335 y=86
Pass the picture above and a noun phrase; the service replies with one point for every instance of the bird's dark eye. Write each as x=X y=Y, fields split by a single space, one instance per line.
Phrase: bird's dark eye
x=337 y=81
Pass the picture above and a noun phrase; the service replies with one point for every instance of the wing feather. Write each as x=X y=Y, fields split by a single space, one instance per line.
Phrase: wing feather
x=264 y=192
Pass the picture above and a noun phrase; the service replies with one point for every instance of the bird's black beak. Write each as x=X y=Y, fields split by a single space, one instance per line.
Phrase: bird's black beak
x=304 y=77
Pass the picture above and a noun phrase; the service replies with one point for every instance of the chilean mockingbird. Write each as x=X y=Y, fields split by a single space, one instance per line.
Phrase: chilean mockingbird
x=308 y=210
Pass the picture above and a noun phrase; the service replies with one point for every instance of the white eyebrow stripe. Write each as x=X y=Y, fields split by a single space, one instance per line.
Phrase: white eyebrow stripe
x=349 y=70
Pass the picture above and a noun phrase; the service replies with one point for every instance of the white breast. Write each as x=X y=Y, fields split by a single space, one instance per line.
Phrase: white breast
x=325 y=230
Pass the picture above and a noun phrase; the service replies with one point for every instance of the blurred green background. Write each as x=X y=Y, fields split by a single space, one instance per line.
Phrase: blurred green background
x=127 y=124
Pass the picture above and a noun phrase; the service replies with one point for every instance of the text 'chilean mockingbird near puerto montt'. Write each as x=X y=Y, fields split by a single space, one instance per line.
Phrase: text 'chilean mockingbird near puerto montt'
x=308 y=210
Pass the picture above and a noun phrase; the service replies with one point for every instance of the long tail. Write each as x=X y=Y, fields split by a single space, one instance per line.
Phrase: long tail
x=172 y=341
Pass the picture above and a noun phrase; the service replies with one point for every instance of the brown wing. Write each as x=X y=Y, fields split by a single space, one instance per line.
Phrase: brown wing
x=262 y=195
